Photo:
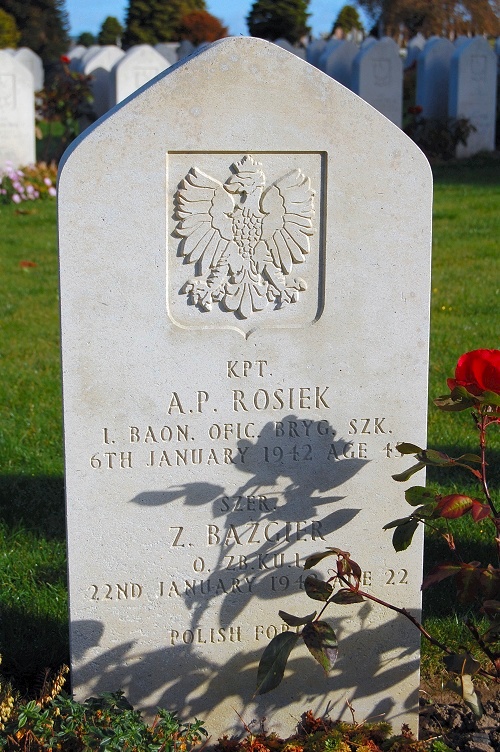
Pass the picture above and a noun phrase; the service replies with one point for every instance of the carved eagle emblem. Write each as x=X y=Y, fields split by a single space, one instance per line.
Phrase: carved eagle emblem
x=244 y=239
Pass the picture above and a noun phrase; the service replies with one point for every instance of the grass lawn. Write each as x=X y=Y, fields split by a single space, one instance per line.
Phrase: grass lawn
x=465 y=316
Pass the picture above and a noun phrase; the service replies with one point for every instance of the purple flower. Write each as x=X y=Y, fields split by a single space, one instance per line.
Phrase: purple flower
x=16 y=198
x=48 y=182
x=52 y=191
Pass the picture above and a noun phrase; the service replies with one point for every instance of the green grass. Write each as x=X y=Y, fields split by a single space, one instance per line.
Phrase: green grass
x=465 y=316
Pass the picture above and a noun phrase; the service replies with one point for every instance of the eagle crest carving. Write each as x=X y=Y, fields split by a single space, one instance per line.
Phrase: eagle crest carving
x=243 y=238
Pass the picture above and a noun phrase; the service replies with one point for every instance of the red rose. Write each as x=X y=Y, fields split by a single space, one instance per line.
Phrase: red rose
x=478 y=371
x=65 y=59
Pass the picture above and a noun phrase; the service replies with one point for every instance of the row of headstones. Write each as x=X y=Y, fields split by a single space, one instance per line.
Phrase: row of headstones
x=453 y=80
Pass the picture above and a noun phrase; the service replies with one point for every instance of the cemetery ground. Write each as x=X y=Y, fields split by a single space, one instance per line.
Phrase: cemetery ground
x=465 y=314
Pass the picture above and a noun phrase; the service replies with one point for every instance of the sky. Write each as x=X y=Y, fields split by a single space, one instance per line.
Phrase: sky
x=88 y=15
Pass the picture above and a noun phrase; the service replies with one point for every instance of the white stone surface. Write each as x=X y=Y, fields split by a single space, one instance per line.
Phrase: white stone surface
x=413 y=49
x=339 y=63
x=433 y=76
x=472 y=93
x=314 y=50
x=33 y=63
x=139 y=65
x=377 y=76
x=77 y=51
x=210 y=447
x=99 y=66
x=168 y=50
x=78 y=62
x=17 y=112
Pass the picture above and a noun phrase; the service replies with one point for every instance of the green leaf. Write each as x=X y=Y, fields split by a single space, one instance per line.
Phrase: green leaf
x=468 y=582
x=317 y=589
x=403 y=535
x=491 y=608
x=345 y=597
x=436 y=458
x=396 y=523
x=322 y=643
x=406 y=474
x=295 y=621
x=490 y=398
x=418 y=495
x=405 y=448
x=470 y=458
x=273 y=661
x=427 y=510
x=449 y=404
x=313 y=560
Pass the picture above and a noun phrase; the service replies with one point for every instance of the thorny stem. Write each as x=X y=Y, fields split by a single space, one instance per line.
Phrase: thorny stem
x=411 y=618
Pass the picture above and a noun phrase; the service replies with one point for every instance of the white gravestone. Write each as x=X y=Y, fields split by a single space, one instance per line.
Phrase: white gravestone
x=99 y=67
x=339 y=63
x=33 y=63
x=314 y=50
x=377 y=76
x=327 y=50
x=433 y=76
x=17 y=112
x=472 y=93
x=138 y=66
x=413 y=49
x=169 y=51
x=244 y=291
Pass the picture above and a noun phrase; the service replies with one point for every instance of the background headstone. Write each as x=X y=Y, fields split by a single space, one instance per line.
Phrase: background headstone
x=314 y=50
x=339 y=63
x=377 y=76
x=168 y=50
x=185 y=48
x=331 y=45
x=99 y=66
x=33 y=63
x=225 y=420
x=17 y=112
x=413 y=49
x=433 y=75
x=78 y=62
x=472 y=93
x=139 y=65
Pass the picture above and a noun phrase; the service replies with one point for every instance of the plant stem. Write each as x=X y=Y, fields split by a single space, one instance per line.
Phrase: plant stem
x=482 y=423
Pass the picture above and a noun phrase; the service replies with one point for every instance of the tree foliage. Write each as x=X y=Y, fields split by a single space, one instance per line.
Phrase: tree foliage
x=200 y=26
x=154 y=21
x=9 y=33
x=86 y=38
x=278 y=19
x=43 y=25
x=348 y=19
x=111 y=31
x=448 y=18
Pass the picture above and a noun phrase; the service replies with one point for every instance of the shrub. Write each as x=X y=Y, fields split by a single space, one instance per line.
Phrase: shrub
x=27 y=184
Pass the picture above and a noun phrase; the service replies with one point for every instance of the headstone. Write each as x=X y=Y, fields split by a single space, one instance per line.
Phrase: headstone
x=339 y=63
x=377 y=76
x=138 y=66
x=99 y=67
x=331 y=45
x=33 y=63
x=414 y=47
x=234 y=386
x=185 y=48
x=286 y=45
x=472 y=94
x=17 y=112
x=168 y=50
x=433 y=75
x=78 y=63
x=77 y=51
x=314 y=50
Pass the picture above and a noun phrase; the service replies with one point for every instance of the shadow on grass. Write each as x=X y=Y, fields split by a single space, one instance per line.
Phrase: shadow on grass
x=483 y=169
x=34 y=504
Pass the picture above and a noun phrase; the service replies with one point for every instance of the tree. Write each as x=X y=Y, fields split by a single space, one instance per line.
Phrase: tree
x=43 y=25
x=448 y=18
x=200 y=26
x=153 y=21
x=275 y=19
x=111 y=31
x=9 y=33
x=86 y=38
x=348 y=19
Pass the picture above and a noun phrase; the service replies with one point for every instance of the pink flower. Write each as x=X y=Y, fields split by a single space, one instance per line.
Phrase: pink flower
x=52 y=191
x=16 y=198
x=47 y=181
